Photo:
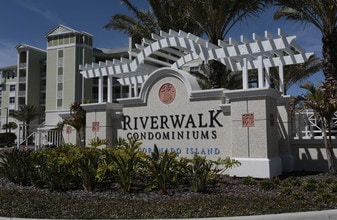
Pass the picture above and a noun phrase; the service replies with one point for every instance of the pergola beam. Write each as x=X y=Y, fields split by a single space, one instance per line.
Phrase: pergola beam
x=175 y=49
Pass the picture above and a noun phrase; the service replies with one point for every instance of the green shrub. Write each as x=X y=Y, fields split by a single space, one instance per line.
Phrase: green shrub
x=162 y=169
x=96 y=142
x=291 y=192
x=248 y=180
x=268 y=184
x=297 y=195
x=286 y=190
x=324 y=196
x=87 y=166
x=56 y=167
x=16 y=165
x=310 y=185
x=291 y=181
x=125 y=160
x=334 y=186
x=329 y=181
x=201 y=173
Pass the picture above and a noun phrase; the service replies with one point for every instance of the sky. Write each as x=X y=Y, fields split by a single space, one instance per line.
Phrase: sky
x=28 y=21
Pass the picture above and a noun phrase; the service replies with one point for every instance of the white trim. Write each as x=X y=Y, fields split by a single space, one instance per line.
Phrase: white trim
x=188 y=80
x=255 y=92
x=257 y=167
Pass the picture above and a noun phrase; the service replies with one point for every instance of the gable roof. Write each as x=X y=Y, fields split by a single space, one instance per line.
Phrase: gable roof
x=62 y=29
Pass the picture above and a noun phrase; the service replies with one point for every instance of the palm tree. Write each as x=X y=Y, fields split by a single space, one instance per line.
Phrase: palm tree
x=77 y=120
x=26 y=114
x=216 y=18
x=323 y=15
x=322 y=100
x=164 y=15
x=213 y=18
x=171 y=14
x=293 y=74
x=142 y=25
x=9 y=126
x=297 y=73
x=227 y=79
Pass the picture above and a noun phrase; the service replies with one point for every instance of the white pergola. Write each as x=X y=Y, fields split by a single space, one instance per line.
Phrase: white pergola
x=175 y=49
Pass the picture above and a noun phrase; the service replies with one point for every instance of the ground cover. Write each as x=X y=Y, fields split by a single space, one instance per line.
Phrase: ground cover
x=229 y=196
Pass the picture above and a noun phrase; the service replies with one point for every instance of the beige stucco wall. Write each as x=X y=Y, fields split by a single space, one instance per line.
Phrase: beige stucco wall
x=217 y=114
x=216 y=140
x=109 y=119
x=310 y=155
x=258 y=141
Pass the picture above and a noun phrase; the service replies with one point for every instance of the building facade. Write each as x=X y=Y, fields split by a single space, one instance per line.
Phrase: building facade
x=24 y=83
x=50 y=79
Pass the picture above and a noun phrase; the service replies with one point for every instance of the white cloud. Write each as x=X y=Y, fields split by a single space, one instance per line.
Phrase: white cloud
x=8 y=53
x=47 y=14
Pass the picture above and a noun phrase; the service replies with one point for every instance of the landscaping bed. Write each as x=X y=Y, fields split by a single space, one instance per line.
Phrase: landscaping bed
x=229 y=196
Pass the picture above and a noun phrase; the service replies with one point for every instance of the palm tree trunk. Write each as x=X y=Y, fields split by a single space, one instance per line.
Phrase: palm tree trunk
x=329 y=51
x=216 y=69
x=329 y=150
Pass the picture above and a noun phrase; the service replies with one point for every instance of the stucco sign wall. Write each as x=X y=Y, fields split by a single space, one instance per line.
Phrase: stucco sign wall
x=173 y=113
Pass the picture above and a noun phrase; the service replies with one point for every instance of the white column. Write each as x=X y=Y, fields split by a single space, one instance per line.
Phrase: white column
x=100 y=89
x=135 y=86
x=244 y=74
x=260 y=71
x=281 y=75
x=130 y=90
x=267 y=76
x=135 y=89
x=110 y=90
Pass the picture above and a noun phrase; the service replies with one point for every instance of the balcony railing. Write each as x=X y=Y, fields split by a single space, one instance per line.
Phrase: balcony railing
x=22 y=65
x=22 y=93
x=22 y=79
x=308 y=126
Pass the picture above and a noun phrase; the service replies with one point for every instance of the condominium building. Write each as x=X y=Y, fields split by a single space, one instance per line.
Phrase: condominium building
x=50 y=79
x=24 y=83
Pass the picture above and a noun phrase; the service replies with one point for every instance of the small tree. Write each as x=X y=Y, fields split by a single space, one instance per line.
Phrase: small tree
x=26 y=114
x=323 y=101
x=9 y=126
x=77 y=120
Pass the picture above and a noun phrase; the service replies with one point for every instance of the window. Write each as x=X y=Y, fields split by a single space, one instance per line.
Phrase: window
x=59 y=102
x=59 y=86
x=60 y=54
x=12 y=88
x=11 y=100
x=60 y=58
x=60 y=71
x=11 y=112
x=66 y=39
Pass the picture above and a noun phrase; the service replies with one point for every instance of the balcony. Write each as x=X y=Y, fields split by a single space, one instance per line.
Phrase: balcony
x=22 y=93
x=22 y=79
x=59 y=94
x=60 y=78
x=60 y=62
x=23 y=65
